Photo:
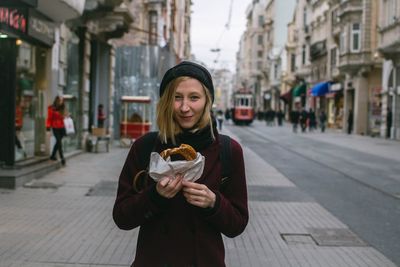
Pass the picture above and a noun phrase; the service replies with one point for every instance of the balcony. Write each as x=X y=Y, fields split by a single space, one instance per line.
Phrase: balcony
x=353 y=62
x=107 y=22
x=303 y=72
x=317 y=50
x=349 y=7
x=61 y=10
x=389 y=45
x=107 y=18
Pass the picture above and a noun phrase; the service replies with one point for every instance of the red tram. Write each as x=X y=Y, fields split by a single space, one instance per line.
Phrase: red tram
x=243 y=107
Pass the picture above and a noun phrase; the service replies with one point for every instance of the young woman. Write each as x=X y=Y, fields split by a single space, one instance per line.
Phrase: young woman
x=181 y=222
x=55 y=121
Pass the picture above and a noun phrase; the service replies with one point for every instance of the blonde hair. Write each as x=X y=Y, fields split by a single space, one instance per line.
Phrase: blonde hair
x=168 y=127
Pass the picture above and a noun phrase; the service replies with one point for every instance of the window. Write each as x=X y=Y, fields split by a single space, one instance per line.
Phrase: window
x=260 y=21
x=391 y=8
x=303 y=55
x=355 y=37
x=343 y=42
x=153 y=28
x=260 y=39
x=293 y=62
x=333 y=57
x=335 y=17
x=259 y=54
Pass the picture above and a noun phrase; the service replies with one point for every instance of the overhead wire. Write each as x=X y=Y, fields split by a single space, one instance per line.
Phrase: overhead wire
x=217 y=48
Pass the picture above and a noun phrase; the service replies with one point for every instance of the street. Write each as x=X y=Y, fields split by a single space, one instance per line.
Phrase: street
x=360 y=188
x=314 y=200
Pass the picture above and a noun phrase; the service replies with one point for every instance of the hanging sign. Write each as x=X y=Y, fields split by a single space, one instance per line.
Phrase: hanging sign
x=13 y=19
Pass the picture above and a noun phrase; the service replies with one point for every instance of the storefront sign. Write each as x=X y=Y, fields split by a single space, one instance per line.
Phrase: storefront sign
x=13 y=19
x=40 y=28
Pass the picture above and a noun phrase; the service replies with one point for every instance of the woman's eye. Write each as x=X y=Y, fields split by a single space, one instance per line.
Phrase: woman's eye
x=178 y=97
x=193 y=98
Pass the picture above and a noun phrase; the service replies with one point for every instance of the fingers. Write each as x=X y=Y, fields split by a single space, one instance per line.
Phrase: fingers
x=168 y=187
x=198 y=194
x=165 y=181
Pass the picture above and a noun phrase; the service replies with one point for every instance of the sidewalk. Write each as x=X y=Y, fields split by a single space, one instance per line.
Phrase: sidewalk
x=64 y=219
x=386 y=148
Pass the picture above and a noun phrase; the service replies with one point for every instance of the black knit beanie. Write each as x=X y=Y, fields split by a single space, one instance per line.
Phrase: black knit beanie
x=191 y=69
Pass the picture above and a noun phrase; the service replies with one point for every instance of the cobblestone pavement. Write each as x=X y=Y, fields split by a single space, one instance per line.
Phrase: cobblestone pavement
x=64 y=219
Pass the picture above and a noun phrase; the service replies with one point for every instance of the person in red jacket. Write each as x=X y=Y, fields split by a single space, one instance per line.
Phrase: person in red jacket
x=181 y=222
x=55 y=121
x=101 y=117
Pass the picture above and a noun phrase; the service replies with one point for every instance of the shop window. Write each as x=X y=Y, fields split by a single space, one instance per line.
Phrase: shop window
x=71 y=92
x=26 y=102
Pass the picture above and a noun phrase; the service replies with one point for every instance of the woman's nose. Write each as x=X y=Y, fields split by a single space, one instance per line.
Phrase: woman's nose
x=185 y=107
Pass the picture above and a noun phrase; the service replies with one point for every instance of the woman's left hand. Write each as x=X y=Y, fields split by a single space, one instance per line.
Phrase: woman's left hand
x=198 y=194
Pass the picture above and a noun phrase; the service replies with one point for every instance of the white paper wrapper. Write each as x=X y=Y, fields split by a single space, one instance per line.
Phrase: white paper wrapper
x=191 y=170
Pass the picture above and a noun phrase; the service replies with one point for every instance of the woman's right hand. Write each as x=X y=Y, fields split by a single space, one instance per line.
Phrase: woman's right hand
x=168 y=187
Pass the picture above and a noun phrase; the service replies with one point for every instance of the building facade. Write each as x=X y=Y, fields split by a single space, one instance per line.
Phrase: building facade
x=389 y=47
x=30 y=53
x=54 y=48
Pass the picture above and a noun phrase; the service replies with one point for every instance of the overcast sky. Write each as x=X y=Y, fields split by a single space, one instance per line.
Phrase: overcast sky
x=208 y=31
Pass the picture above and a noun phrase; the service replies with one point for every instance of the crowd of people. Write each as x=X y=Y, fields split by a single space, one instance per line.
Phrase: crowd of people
x=299 y=118
x=307 y=119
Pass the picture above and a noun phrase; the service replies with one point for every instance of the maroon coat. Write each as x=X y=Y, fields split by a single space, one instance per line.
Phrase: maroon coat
x=173 y=232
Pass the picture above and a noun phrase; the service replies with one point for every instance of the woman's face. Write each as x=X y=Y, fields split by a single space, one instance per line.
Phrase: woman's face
x=189 y=103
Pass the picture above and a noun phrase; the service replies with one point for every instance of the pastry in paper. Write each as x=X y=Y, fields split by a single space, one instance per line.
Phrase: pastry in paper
x=191 y=169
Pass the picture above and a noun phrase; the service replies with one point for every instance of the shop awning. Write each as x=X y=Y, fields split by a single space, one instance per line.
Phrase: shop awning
x=321 y=89
x=299 y=90
x=287 y=97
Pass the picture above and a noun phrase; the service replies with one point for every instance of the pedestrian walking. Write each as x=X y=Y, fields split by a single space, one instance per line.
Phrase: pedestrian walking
x=350 y=122
x=181 y=222
x=270 y=117
x=280 y=115
x=294 y=118
x=389 y=118
x=312 y=120
x=322 y=121
x=227 y=114
x=303 y=120
x=55 y=121
x=220 y=119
